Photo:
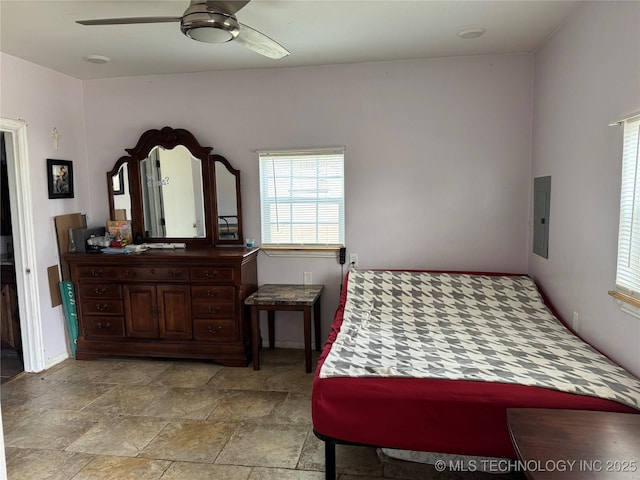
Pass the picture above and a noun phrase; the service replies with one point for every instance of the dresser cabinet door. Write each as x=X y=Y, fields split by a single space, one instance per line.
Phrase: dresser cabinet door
x=174 y=311
x=158 y=311
x=141 y=311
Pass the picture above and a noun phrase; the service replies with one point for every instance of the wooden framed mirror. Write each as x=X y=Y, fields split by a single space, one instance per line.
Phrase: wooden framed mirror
x=228 y=202
x=173 y=190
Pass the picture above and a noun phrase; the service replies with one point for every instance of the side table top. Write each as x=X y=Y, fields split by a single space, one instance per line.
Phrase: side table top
x=285 y=294
x=576 y=444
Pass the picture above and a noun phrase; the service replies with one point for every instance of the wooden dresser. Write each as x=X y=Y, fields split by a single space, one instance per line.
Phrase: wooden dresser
x=168 y=303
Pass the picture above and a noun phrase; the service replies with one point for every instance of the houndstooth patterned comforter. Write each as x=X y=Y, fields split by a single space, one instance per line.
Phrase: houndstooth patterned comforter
x=466 y=327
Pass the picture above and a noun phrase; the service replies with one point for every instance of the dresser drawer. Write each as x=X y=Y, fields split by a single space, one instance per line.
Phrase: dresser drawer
x=102 y=326
x=208 y=293
x=213 y=309
x=214 y=330
x=100 y=290
x=100 y=306
x=173 y=274
x=97 y=273
x=213 y=274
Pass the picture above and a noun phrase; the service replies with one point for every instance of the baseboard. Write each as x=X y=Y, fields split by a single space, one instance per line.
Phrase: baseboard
x=52 y=362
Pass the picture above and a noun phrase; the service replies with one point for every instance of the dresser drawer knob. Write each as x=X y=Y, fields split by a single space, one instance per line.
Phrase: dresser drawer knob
x=96 y=272
x=213 y=330
x=213 y=274
x=131 y=273
x=175 y=274
x=213 y=309
x=106 y=326
x=100 y=291
x=212 y=293
x=102 y=307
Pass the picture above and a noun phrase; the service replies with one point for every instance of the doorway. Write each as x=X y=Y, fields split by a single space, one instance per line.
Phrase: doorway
x=14 y=133
x=10 y=336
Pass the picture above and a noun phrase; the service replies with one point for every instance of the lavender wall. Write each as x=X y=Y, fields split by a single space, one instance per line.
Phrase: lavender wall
x=585 y=77
x=46 y=99
x=437 y=161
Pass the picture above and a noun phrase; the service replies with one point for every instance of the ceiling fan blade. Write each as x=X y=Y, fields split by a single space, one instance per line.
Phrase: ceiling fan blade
x=230 y=6
x=260 y=43
x=127 y=21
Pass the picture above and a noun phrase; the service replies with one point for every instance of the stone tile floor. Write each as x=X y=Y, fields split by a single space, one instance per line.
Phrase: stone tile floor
x=150 y=419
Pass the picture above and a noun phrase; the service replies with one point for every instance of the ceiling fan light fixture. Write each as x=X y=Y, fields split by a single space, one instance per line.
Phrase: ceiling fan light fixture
x=210 y=27
x=471 y=33
x=210 y=21
x=97 y=59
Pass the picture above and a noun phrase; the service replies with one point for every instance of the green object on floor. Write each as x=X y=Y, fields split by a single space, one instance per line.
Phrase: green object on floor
x=70 y=313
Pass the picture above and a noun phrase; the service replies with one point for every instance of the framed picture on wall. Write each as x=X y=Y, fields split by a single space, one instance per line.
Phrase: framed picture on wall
x=60 y=178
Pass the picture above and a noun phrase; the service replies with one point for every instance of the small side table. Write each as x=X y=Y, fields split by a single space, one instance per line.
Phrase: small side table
x=301 y=298
x=601 y=445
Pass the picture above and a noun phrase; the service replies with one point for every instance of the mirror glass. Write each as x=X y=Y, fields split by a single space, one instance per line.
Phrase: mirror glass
x=121 y=193
x=172 y=194
x=227 y=201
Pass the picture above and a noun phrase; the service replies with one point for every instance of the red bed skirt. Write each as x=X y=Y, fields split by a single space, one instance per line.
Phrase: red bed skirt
x=432 y=415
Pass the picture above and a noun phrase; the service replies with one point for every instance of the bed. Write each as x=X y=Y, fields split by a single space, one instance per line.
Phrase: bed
x=430 y=361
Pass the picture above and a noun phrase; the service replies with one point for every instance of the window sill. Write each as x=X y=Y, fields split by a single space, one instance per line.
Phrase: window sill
x=627 y=303
x=300 y=251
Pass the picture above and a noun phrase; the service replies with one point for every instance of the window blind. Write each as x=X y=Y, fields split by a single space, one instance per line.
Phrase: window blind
x=628 y=271
x=302 y=197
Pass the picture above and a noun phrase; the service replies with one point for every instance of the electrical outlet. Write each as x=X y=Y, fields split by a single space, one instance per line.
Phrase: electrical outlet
x=308 y=278
x=353 y=260
x=575 y=322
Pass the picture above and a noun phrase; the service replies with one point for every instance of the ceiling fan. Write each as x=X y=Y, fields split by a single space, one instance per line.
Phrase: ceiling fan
x=211 y=22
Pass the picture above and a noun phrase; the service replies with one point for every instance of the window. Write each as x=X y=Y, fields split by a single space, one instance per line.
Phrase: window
x=302 y=198
x=628 y=271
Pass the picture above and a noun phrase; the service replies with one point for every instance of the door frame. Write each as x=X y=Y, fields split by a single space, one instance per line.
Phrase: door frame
x=24 y=244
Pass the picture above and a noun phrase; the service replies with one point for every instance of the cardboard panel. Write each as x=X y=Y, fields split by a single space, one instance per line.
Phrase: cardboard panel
x=54 y=290
x=63 y=224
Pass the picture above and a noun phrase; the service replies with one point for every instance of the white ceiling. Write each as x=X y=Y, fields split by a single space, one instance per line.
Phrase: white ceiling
x=316 y=32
